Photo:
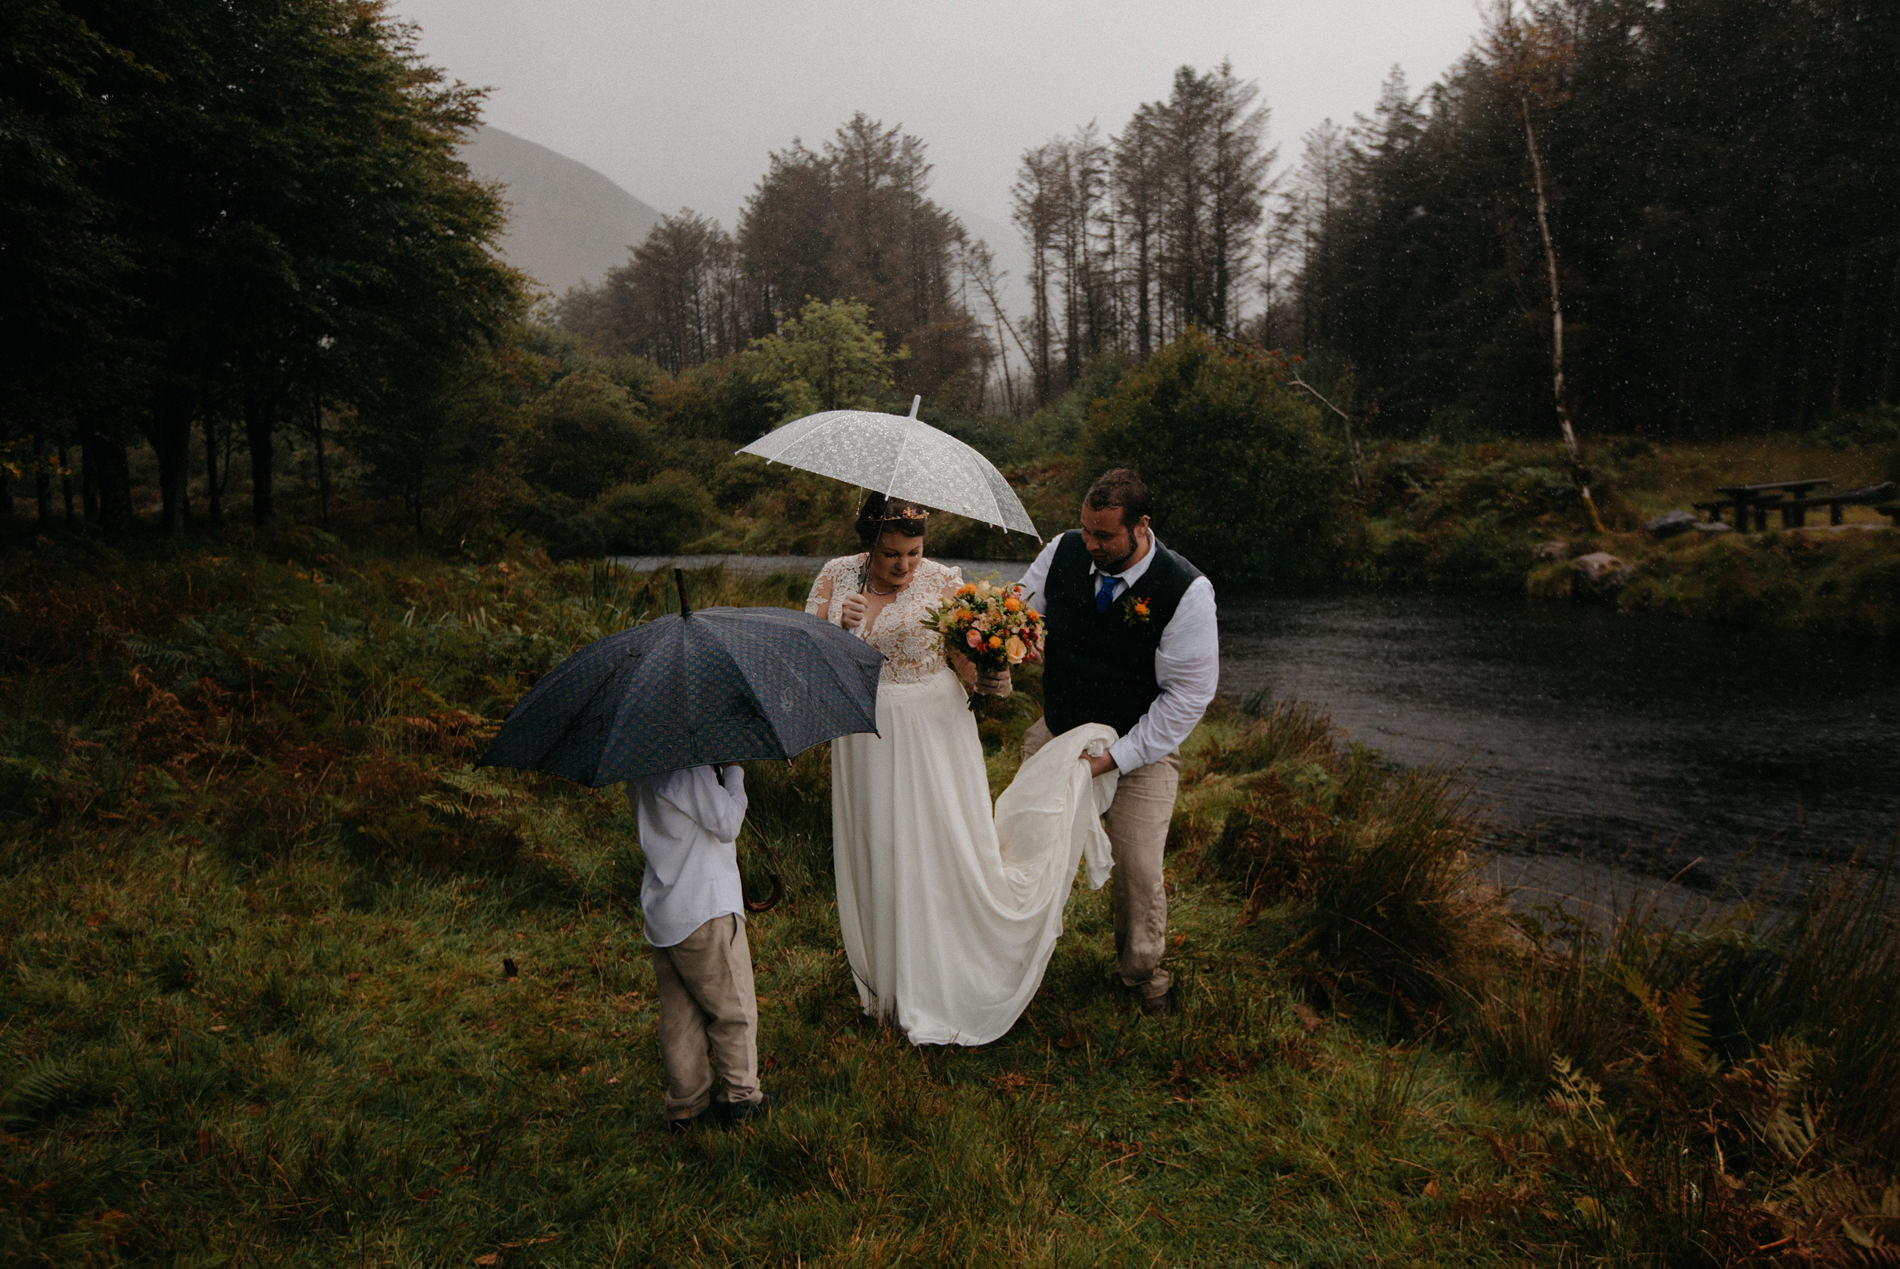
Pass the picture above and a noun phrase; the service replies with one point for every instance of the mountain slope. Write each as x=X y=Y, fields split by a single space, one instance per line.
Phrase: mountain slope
x=567 y=223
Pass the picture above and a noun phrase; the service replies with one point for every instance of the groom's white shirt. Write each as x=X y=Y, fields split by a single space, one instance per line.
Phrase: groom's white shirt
x=1187 y=662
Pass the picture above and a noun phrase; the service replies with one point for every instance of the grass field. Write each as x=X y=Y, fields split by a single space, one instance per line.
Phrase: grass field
x=290 y=981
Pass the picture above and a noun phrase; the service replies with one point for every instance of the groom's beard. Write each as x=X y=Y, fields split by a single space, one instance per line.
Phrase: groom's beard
x=1114 y=567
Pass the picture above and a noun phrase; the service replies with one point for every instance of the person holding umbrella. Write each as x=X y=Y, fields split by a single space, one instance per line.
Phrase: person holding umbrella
x=670 y=707
x=947 y=927
x=948 y=913
x=694 y=913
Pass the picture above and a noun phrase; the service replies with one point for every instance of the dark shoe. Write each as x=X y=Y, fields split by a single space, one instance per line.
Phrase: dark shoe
x=1158 y=1006
x=745 y=1112
x=680 y=1127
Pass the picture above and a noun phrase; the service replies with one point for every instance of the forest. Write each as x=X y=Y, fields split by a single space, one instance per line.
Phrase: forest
x=1621 y=220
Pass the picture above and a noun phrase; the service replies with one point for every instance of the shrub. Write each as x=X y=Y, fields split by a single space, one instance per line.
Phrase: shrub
x=1246 y=480
x=1361 y=869
x=584 y=436
x=647 y=519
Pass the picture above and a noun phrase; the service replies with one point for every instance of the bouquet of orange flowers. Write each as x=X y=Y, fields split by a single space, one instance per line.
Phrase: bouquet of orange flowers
x=989 y=624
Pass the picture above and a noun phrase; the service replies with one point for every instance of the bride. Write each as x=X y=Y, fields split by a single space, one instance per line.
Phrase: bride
x=948 y=915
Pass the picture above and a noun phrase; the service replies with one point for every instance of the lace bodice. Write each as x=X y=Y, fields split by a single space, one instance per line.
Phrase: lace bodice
x=912 y=653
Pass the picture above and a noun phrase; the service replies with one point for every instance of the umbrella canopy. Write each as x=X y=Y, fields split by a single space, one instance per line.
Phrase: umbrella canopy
x=899 y=456
x=708 y=686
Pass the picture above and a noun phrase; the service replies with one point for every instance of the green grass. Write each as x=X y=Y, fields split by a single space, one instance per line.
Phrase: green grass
x=289 y=981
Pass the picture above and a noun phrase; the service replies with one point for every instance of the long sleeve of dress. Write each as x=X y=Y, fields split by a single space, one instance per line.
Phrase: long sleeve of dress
x=833 y=580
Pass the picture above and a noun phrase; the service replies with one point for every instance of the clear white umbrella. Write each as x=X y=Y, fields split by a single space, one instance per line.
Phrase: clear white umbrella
x=901 y=457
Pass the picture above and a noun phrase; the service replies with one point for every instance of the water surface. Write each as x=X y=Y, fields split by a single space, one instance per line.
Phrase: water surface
x=1608 y=736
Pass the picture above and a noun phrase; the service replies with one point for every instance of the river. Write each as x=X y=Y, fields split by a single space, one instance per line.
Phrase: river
x=1617 y=744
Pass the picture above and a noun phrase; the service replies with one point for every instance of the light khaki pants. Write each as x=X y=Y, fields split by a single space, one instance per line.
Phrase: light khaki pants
x=706 y=996
x=1137 y=824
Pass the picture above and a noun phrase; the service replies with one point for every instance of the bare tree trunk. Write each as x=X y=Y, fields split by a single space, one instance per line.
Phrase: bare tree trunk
x=66 y=485
x=1352 y=443
x=167 y=425
x=43 y=479
x=1841 y=333
x=260 y=419
x=323 y=470
x=107 y=483
x=1891 y=355
x=214 y=487
x=1578 y=472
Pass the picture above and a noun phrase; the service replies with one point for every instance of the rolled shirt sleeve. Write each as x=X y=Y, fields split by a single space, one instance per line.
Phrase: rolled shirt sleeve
x=1187 y=666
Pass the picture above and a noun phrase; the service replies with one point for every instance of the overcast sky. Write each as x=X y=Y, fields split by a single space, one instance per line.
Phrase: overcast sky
x=680 y=102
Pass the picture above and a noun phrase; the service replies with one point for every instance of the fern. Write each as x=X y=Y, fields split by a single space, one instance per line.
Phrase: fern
x=49 y=1088
x=1777 y=1109
x=1678 y=1024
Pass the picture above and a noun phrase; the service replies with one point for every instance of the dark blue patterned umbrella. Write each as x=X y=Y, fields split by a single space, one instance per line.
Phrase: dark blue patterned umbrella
x=707 y=686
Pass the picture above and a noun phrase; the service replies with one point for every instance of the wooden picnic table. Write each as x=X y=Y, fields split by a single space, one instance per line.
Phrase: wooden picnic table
x=1756 y=500
x=1794 y=511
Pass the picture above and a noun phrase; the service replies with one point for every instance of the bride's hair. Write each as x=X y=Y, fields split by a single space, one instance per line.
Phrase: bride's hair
x=880 y=515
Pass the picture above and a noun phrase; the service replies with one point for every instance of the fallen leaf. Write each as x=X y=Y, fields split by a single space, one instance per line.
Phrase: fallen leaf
x=1308 y=1016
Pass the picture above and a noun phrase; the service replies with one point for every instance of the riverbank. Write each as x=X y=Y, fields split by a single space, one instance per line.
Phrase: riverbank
x=295 y=982
x=1504 y=518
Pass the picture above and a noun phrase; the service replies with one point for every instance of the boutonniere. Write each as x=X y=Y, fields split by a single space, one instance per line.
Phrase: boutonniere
x=1136 y=611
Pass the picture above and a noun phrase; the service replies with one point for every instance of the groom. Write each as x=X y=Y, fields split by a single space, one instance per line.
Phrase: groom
x=1131 y=642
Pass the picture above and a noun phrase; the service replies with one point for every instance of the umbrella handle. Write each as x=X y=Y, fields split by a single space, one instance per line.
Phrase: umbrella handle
x=863 y=632
x=775 y=892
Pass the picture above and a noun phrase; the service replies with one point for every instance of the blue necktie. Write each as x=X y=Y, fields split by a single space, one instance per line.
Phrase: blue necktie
x=1105 y=593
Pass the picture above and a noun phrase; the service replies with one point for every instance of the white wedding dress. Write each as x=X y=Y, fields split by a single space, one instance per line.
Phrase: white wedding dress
x=948 y=914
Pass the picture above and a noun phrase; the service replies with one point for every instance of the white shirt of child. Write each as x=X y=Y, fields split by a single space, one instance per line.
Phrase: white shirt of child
x=689 y=821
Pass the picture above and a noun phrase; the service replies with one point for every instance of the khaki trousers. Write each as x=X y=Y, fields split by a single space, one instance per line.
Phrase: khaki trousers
x=706 y=996
x=1137 y=824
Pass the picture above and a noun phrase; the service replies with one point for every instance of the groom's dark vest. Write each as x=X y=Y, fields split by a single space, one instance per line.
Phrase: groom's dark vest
x=1100 y=667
